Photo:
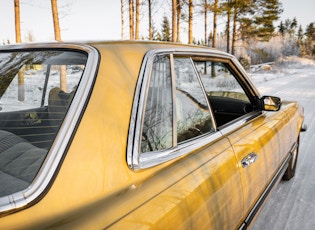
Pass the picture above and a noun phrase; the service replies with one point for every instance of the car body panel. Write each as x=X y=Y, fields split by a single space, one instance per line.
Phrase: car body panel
x=255 y=138
x=95 y=187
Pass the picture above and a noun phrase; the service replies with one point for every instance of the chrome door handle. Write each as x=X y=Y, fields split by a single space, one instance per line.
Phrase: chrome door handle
x=249 y=159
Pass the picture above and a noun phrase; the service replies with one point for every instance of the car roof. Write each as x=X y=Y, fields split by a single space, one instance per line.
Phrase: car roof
x=153 y=45
x=133 y=45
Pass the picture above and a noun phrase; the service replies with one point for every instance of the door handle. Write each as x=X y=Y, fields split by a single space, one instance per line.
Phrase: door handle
x=249 y=159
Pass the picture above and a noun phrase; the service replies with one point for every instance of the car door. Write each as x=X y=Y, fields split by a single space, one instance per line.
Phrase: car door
x=253 y=134
x=199 y=185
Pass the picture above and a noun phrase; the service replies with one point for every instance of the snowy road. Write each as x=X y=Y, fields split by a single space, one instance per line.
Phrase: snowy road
x=291 y=206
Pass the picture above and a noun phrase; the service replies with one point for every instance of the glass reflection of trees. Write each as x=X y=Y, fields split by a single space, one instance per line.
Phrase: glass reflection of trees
x=192 y=112
x=158 y=119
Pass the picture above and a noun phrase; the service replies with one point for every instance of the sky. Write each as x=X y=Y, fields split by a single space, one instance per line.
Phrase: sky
x=99 y=19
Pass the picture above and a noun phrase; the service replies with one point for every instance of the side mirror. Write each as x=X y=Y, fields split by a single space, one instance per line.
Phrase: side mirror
x=270 y=103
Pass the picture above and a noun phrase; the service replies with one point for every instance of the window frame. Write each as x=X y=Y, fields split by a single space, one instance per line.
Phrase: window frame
x=30 y=195
x=137 y=160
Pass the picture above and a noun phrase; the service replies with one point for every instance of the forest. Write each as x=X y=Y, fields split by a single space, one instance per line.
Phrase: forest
x=248 y=29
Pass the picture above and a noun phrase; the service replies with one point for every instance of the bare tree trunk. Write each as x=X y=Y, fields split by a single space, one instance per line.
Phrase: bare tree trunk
x=122 y=18
x=63 y=71
x=17 y=21
x=178 y=12
x=150 y=21
x=56 y=20
x=234 y=29
x=21 y=90
x=205 y=7
x=137 y=18
x=228 y=30
x=190 y=20
x=174 y=26
x=131 y=19
x=215 y=13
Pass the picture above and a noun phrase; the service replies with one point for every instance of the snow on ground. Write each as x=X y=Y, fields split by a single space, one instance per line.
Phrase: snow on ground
x=291 y=205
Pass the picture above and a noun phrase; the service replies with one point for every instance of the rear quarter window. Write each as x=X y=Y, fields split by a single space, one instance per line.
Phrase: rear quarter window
x=37 y=88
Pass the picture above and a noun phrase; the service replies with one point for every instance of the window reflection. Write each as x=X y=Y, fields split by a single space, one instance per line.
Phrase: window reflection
x=158 y=119
x=219 y=81
x=36 y=89
x=192 y=111
x=227 y=98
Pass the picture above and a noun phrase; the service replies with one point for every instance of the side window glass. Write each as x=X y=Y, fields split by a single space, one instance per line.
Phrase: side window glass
x=22 y=93
x=157 y=130
x=36 y=89
x=30 y=86
x=226 y=96
x=192 y=111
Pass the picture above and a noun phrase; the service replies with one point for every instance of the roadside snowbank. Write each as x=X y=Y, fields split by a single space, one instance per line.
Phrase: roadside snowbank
x=285 y=67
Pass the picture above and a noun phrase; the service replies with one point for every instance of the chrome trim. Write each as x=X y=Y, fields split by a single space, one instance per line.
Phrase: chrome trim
x=137 y=110
x=137 y=160
x=249 y=159
x=149 y=159
x=173 y=76
x=57 y=150
x=239 y=122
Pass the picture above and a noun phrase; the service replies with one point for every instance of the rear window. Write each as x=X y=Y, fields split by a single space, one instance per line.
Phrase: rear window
x=36 y=90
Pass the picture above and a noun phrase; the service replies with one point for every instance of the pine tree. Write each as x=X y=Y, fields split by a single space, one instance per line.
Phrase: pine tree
x=300 y=34
x=270 y=11
x=310 y=39
x=227 y=8
x=257 y=18
x=300 y=39
x=281 y=29
x=158 y=37
x=241 y=9
x=166 y=34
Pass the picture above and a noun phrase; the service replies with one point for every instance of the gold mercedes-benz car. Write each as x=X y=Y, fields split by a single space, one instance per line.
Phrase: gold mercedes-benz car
x=137 y=135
